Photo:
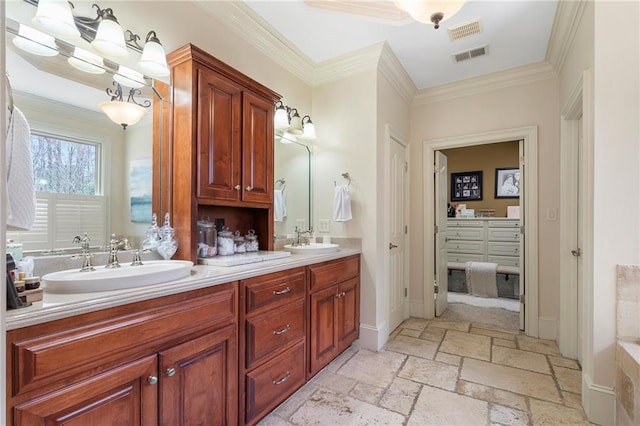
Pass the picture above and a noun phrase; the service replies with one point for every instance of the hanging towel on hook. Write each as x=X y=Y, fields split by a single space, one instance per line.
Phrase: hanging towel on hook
x=341 y=204
x=21 y=196
x=279 y=205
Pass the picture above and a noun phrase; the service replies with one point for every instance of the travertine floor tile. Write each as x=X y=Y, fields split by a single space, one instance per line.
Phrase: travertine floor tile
x=412 y=346
x=327 y=407
x=367 y=393
x=435 y=334
x=494 y=395
x=448 y=358
x=573 y=400
x=435 y=407
x=415 y=323
x=410 y=332
x=516 y=358
x=508 y=416
x=564 y=362
x=341 y=359
x=296 y=400
x=377 y=369
x=274 y=420
x=400 y=396
x=465 y=344
x=451 y=325
x=549 y=414
x=542 y=346
x=504 y=343
x=492 y=333
x=569 y=380
x=512 y=379
x=430 y=372
x=337 y=382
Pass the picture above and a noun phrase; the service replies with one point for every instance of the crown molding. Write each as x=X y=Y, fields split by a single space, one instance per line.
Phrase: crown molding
x=248 y=25
x=391 y=68
x=383 y=11
x=346 y=65
x=565 y=25
x=486 y=83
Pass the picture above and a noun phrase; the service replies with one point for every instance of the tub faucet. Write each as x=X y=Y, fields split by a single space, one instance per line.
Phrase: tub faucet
x=114 y=245
x=86 y=255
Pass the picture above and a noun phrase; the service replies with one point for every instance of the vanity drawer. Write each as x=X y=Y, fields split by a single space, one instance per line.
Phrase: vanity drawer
x=504 y=234
x=268 y=291
x=465 y=234
x=333 y=272
x=473 y=247
x=269 y=332
x=270 y=384
x=504 y=249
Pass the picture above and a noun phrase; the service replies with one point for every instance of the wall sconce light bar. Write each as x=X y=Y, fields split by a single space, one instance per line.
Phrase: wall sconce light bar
x=287 y=121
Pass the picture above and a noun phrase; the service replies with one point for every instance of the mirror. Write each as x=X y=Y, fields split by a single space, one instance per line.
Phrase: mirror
x=293 y=161
x=60 y=103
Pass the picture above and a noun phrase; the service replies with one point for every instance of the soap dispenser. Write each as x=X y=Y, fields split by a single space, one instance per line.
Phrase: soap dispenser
x=167 y=246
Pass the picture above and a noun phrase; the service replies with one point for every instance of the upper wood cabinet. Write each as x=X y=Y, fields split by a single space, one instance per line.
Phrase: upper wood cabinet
x=222 y=135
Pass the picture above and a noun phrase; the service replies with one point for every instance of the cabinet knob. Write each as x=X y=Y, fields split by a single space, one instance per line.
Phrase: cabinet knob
x=283 y=330
x=249 y=188
x=152 y=380
x=283 y=379
x=237 y=187
x=341 y=295
x=170 y=371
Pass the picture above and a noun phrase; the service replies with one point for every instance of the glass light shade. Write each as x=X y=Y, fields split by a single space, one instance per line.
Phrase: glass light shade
x=128 y=77
x=109 y=40
x=421 y=10
x=122 y=113
x=288 y=138
x=153 y=60
x=86 y=61
x=309 y=131
x=35 y=42
x=55 y=17
x=295 y=127
x=281 y=120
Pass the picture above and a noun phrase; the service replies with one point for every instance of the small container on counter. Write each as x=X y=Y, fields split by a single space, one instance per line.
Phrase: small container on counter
x=19 y=285
x=31 y=283
x=239 y=245
x=251 y=241
x=207 y=239
x=225 y=242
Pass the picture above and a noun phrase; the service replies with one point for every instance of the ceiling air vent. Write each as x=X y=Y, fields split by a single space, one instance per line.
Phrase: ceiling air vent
x=464 y=30
x=471 y=53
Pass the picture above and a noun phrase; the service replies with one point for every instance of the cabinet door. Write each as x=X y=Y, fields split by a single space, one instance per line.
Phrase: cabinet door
x=126 y=395
x=348 y=311
x=219 y=120
x=324 y=338
x=198 y=381
x=257 y=146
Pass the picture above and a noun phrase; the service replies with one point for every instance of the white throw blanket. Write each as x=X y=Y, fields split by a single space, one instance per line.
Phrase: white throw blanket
x=481 y=279
x=21 y=196
x=279 y=205
x=341 y=204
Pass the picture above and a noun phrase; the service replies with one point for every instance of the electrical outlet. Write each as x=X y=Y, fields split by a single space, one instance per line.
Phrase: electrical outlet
x=324 y=225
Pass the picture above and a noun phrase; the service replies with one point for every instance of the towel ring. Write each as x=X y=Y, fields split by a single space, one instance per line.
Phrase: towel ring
x=346 y=176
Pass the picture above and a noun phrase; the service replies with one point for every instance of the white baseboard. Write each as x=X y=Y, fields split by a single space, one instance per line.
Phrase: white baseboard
x=548 y=328
x=373 y=338
x=599 y=402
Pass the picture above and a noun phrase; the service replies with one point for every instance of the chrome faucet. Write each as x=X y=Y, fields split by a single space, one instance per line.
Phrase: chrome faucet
x=86 y=255
x=114 y=245
x=300 y=232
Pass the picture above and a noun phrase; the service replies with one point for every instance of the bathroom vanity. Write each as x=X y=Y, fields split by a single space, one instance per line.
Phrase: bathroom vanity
x=224 y=346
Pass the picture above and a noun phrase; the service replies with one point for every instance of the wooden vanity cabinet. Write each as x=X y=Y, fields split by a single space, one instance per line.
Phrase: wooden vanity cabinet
x=272 y=341
x=334 y=315
x=171 y=360
x=222 y=148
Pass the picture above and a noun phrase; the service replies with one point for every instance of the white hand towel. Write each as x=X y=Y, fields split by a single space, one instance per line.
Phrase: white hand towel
x=279 y=205
x=341 y=204
x=481 y=279
x=21 y=196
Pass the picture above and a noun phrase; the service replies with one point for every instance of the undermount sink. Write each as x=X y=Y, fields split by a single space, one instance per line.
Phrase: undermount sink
x=317 y=248
x=102 y=279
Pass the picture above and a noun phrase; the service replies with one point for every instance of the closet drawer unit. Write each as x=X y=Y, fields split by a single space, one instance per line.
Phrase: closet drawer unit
x=504 y=260
x=514 y=224
x=268 y=291
x=503 y=249
x=272 y=331
x=464 y=223
x=471 y=247
x=504 y=234
x=466 y=234
x=462 y=258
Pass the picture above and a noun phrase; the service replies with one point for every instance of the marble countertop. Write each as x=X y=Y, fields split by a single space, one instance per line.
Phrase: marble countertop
x=57 y=306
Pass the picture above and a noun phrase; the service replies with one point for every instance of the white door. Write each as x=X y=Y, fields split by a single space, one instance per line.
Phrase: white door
x=440 y=239
x=523 y=176
x=577 y=251
x=398 y=275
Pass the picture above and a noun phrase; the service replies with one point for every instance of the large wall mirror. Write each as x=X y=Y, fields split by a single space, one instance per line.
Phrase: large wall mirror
x=292 y=198
x=103 y=180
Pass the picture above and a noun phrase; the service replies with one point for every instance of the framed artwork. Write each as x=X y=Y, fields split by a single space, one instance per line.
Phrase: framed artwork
x=140 y=190
x=507 y=182
x=466 y=186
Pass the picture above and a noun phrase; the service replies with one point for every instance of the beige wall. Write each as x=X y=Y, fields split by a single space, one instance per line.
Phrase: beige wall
x=486 y=158
x=523 y=105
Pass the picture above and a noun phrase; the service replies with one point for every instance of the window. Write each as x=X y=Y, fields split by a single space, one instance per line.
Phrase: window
x=69 y=196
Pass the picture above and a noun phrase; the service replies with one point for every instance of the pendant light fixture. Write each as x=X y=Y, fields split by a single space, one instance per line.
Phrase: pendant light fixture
x=109 y=40
x=426 y=11
x=54 y=16
x=154 y=60
x=124 y=113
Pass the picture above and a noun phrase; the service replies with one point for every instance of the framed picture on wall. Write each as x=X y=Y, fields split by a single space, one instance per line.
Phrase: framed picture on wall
x=507 y=182
x=466 y=186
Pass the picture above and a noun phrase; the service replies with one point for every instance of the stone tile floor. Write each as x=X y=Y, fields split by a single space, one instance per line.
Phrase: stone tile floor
x=442 y=372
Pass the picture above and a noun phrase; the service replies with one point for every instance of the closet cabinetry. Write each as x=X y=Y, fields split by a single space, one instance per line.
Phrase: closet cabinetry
x=171 y=360
x=334 y=316
x=484 y=240
x=222 y=148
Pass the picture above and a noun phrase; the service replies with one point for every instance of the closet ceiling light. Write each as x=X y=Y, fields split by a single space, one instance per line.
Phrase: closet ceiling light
x=124 y=113
x=426 y=11
x=54 y=16
x=35 y=42
x=86 y=61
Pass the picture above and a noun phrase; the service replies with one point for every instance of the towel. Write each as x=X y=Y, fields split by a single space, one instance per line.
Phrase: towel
x=279 y=205
x=341 y=204
x=481 y=279
x=21 y=195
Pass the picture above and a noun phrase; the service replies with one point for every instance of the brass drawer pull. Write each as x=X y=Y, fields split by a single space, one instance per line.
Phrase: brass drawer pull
x=279 y=292
x=282 y=331
x=283 y=379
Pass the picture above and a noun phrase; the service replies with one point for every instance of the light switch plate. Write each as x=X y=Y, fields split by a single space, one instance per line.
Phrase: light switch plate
x=552 y=214
x=324 y=225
